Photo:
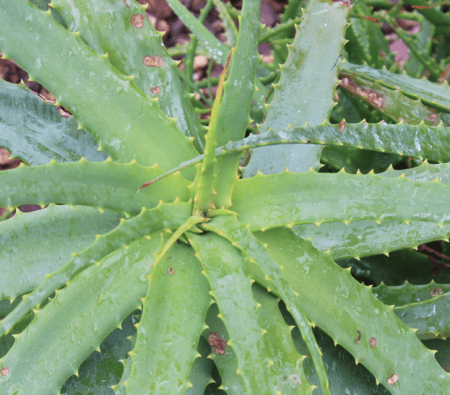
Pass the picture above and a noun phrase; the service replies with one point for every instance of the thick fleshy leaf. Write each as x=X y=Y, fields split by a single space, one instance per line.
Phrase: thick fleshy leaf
x=35 y=132
x=149 y=221
x=75 y=322
x=305 y=90
x=123 y=31
x=52 y=234
x=173 y=317
x=104 y=185
x=223 y=266
x=130 y=125
x=433 y=95
x=230 y=228
x=103 y=369
x=287 y=199
x=353 y=317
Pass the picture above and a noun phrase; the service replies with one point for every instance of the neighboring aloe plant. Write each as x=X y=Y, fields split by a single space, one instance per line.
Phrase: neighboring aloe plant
x=199 y=258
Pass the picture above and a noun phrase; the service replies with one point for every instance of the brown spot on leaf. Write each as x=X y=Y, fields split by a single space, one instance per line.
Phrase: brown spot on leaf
x=393 y=379
x=372 y=342
x=357 y=340
x=369 y=95
x=433 y=118
x=170 y=271
x=341 y=126
x=153 y=62
x=436 y=292
x=216 y=342
x=155 y=90
x=137 y=21
x=5 y=372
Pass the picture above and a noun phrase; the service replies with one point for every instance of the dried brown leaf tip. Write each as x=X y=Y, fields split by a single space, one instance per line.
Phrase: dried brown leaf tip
x=216 y=342
x=372 y=342
x=153 y=62
x=341 y=126
x=137 y=21
x=170 y=271
x=393 y=379
x=155 y=90
x=5 y=372
x=436 y=292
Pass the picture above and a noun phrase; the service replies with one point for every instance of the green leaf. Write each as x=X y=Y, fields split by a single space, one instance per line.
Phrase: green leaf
x=287 y=370
x=173 y=317
x=52 y=234
x=433 y=95
x=365 y=238
x=35 y=132
x=392 y=103
x=130 y=125
x=149 y=221
x=408 y=293
x=287 y=199
x=217 y=50
x=238 y=91
x=305 y=90
x=124 y=32
x=105 y=185
x=103 y=369
x=231 y=288
x=429 y=317
x=75 y=322
x=341 y=306
x=239 y=236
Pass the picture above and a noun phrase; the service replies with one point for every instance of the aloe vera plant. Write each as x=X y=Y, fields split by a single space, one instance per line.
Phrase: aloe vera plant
x=162 y=266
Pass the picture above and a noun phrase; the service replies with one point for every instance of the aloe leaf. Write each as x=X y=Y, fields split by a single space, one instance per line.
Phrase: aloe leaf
x=287 y=199
x=127 y=114
x=302 y=76
x=204 y=187
x=239 y=236
x=287 y=370
x=385 y=343
x=286 y=374
x=344 y=376
x=200 y=376
x=124 y=32
x=370 y=38
x=223 y=267
x=217 y=50
x=413 y=66
x=365 y=238
x=433 y=95
x=78 y=318
x=231 y=32
x=52 y=234
x=442 y=347
x=173 y=317
x=434 y=15
x=236 y=100
x=392 y=103
x=418 y=141
x=149 y=221
x=429 y=317
x=226 y=362
x=408 y=293
x=102 y=369
x=372 y=238
x=105 y=185
x=35 y=132
x=119 y=388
